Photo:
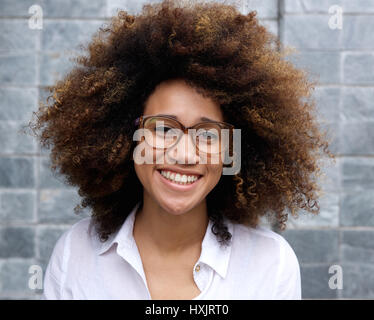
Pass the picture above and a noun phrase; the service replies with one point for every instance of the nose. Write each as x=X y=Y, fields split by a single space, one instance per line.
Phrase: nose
x=184 y=152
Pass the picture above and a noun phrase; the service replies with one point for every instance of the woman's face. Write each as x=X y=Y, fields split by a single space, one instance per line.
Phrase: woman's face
x=176 y=98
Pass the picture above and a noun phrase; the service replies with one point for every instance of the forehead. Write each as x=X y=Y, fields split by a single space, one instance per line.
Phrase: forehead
x=177 y=98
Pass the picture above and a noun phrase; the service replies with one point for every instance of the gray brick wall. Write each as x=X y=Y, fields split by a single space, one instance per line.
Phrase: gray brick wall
x=36 y=206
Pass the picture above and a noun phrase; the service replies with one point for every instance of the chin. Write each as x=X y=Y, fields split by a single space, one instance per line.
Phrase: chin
x=176 y=208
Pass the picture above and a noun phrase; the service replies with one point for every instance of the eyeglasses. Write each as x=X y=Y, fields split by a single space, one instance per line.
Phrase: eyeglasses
x=164 y=132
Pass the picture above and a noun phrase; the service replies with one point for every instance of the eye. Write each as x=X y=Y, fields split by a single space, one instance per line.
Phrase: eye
x=162 y=129
x=208 y=136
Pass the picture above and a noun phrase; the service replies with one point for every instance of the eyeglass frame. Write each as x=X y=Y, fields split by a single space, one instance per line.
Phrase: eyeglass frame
x=140 y=121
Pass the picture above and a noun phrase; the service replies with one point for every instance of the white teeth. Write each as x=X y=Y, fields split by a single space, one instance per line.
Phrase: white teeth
x=178 y=178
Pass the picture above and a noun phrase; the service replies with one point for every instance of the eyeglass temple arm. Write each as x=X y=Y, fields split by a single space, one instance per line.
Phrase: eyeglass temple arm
x=137 y=120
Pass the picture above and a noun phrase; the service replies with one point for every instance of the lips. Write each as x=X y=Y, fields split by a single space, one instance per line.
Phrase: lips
x=180 y=171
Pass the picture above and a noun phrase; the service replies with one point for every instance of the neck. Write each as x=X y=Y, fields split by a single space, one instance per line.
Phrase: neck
x=169 y=233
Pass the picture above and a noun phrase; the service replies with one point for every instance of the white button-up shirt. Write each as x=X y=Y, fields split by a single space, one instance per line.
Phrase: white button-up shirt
x=258 y=264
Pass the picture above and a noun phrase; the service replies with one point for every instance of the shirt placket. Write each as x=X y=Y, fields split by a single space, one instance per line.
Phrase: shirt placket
x=201 y=275
x=134 y=259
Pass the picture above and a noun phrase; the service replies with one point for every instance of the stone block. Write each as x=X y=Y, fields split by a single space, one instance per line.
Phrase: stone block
x=358 y=68
x=322 y=6
x=15 y=141
x=57 y=206
x=18 y=103
x=16 y=36
x=46 y=240
x=74 y=8
x=17 y=242
x=11 y=8
x=323 y=67
x=17 y=206
x=327 y=103
x=357 y=173
x=54 y=66
x=67 y=35
x=356 y=138
x=49 y=178
x=315 y=282
x=357 y=246
x=358 y=281
x=17 y=172
x=314 y=245
x=310 y=32
x=20 y=69
x=328 y=216
x=357 y=104
x=14 y=279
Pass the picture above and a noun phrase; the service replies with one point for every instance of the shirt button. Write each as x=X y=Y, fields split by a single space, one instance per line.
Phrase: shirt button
x=197 y=268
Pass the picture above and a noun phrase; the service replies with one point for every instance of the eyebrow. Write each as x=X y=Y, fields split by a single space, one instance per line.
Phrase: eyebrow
x=176 y=118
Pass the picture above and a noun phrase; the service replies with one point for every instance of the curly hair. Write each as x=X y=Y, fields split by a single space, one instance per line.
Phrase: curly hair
x=225 y=55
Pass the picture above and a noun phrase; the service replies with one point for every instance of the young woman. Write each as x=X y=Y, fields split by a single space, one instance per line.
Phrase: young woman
x=176 y=227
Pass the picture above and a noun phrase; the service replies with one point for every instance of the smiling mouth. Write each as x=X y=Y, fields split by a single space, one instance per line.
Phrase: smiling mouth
x=179 y=178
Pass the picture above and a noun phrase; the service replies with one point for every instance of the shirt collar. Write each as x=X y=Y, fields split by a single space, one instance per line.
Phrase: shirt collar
x=212 y=252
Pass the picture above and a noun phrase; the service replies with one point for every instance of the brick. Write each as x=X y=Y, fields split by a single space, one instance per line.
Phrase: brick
x=67 y=35
x=357 y=104
x=46 y=239
x=357 y=138
x=315 y=282
x=49 y=178
x=321 y=66
x=17 y=206
x=358 y=68
x=357 y=173
x=18 y=69
x=332 y=130
x=270 y=25
x=357 y=208
x=54 y=66
x=358 y=32
x=17 y=242
x=11 y=8
x=57 y=206
x=17 y=173
x=131 y=6
x=313 y=245
x=328 y=216
x=14 y=141
x=358 y=281
x=311 y=32
x=330 y=179
x=17 y=103
x=357 y=246
x=327 y=103
x=16 y=35
x=14 y=279
x=265 y=9
x=74 y=8
x=322 y=6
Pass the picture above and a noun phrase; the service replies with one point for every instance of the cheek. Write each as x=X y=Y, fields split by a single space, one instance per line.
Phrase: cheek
x=143 y=171
x=214 y=173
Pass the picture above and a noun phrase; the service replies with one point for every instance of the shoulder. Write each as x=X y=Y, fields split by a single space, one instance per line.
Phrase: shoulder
x=261 y=235
x=262 y=240
x=78 y=237
x=274 y=260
